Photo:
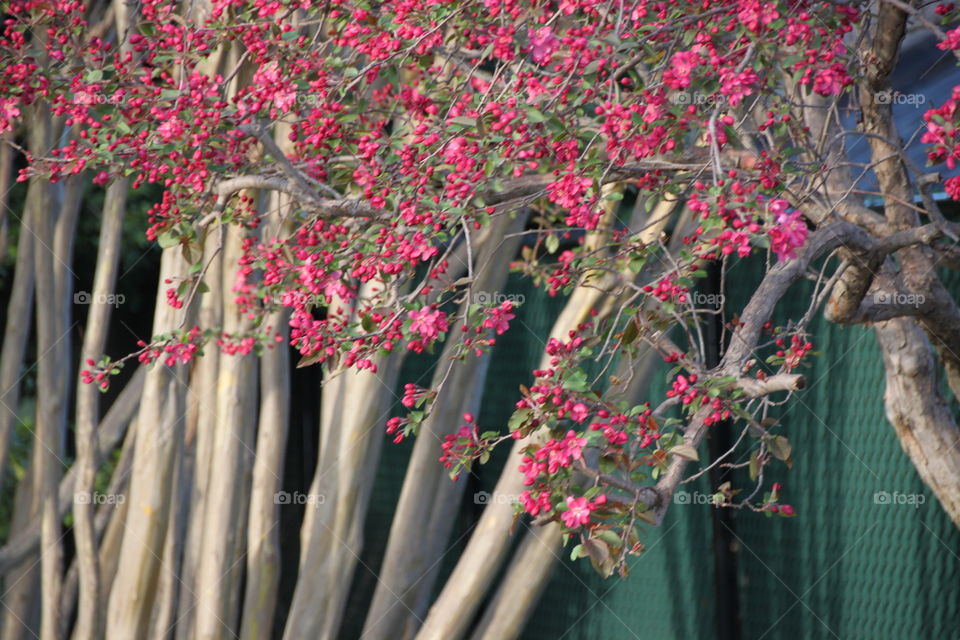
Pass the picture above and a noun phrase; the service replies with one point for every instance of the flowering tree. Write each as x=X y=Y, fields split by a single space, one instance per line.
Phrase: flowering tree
x=357 y=179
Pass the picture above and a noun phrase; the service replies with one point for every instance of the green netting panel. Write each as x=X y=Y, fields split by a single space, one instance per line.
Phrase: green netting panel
x=845 y=567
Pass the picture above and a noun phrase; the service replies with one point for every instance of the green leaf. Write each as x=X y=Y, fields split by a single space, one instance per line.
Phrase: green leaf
x=610 y=537
x=553 y=243
x=780 y=448
x=308 y=360
x=576 y=380
x=464 y=121
x=167 y=240
x=600 y=557
x=636 y=263
x=519 y=418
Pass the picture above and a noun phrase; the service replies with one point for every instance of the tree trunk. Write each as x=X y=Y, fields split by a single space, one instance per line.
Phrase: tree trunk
x=918 y=412
x=428 y=496
x=89 y=613
x=201 y=427
x=226 y=512
x=134 y=588
x=263 y=537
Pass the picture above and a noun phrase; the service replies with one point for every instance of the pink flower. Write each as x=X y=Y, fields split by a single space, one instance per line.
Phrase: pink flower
x=534 y=506
x=559 y=453
x=171 y=129
x=831 y=81
x=579 y=412
x=569 y=190
x=682 y=66
x=579 y=509
x=542 y=43
x=789 y=235
x=754 y=15
x=952 y=187
x=737 y=86
x=500 y=318
x=953 y=40
x=274 y=87
x=429 y=323
x=577 y=513
x=531 y=468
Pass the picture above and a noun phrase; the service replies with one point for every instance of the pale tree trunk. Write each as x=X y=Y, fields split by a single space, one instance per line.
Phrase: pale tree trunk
x=914 y=405
x=21 y=588
x=111 y=536
x=453 y=611
x=263 y=535
x=226 y=512
x=263 y=546
x=507 y=614
x=918 y=412
x=201 y=427
x=354 y=411
x=19 y=607
x=6 y=176
x=134 y=588
x=428 y=497
x=203 y=396
x=89 y=613
x=354 y=406
x=16 y=333
x=163 y=616
x=54 y=235
x=105 y=514
x=111 y=430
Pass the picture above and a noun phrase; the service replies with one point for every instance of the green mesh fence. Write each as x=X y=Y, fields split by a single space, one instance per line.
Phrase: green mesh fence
x=847 y=567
